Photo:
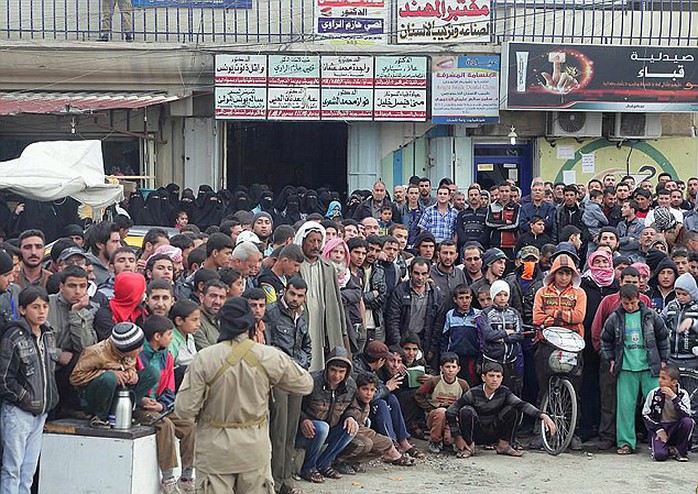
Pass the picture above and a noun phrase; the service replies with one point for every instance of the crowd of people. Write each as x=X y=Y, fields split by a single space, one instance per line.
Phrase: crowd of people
x=269 y=326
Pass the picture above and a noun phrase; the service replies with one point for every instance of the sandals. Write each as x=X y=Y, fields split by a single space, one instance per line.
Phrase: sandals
x=344 y=468
x=97 y=423
x=415 y=453
x=402 y=461
x=331 y=473
x=625 y=450
x=313 y=476
x=464 y=453
x=509 y=451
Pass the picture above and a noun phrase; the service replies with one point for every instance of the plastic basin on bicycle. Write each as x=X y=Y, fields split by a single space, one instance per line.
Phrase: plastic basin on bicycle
x=564 y=339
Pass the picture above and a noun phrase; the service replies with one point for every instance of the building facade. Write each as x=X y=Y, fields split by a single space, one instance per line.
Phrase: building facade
x=153 y=100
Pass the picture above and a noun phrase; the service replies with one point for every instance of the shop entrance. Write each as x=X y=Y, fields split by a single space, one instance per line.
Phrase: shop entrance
x=308 y=154
x=495 y=163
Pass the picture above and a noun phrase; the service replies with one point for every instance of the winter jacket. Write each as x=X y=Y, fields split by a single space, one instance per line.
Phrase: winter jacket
x=208 y=332
x=517 y=284
x=460 y=334
x=503 y=223
x=656 y=401
x=626 y=231
x=74 y=331
x=593 y=218
x=545 y=210
x=373 y=302
x=470 y=226
x=566 y=308
x=493 y=324
x=288 y=332
x=595 y=294
x=681 y=344
x=654 y=333
x=568 y=216
x=410 y=218
x=163 y=361
x=397 y=316
x=26 y=376
x=361 y=366
x=365 y=209
x=446 y=282
x=98 y=359
x=272 y=285
x=602 y=312
x=529 y=238
x=331 y=405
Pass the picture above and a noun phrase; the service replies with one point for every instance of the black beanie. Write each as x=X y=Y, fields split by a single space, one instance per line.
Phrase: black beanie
x=235 y=318
x=5 y=262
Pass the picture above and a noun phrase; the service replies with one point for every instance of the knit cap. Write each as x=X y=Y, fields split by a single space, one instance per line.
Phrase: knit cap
x=5 y=263
x=492 y=255
x=498 y=287
x=127 y=337
x=262 y=214
x=687 y=283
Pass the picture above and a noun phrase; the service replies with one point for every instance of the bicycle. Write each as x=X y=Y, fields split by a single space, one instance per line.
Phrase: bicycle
x=560 y=399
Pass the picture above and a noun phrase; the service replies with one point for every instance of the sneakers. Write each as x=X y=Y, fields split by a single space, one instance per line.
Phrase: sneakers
x=103 y=37
x=186 y=486
x=169 y=486
x=680 y=457
x=576 y=444
x=435 y=448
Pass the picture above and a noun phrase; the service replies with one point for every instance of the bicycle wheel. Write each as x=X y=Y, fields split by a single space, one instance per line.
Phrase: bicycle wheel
x=560 y=403
x=689 y=382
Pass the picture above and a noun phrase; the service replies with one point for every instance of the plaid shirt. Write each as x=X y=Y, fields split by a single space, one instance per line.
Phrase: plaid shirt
x=443 y=227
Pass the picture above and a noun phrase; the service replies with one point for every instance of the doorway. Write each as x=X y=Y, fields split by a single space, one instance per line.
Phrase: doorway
x=308 y=154
x=495 y=163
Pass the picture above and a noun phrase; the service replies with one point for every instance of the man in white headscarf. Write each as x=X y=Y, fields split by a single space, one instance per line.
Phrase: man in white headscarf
x=326 y=321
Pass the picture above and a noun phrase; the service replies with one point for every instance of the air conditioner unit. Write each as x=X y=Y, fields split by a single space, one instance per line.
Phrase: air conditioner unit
x=637 y=126
x=574 y=124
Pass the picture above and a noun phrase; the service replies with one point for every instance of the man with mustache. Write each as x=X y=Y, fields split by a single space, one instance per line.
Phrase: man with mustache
x=31 y=247
x=327 y=324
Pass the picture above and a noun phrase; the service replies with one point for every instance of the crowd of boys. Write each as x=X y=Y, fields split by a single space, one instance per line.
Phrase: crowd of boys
x=390 y=321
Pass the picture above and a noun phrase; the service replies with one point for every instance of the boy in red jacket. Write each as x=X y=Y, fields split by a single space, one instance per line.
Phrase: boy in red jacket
x=158 y=332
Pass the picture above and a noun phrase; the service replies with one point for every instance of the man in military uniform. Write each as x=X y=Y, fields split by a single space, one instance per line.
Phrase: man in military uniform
x=226 y=390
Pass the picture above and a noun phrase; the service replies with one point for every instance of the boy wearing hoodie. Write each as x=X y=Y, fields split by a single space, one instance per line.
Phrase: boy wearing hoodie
x=499 y=327
x=662 y=284
x=681 y=318
x=634 y=342
x=158 y=331
x=328 y=417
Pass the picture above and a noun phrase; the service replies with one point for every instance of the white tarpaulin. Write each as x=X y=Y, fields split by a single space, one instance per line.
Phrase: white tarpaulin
x=52 y=170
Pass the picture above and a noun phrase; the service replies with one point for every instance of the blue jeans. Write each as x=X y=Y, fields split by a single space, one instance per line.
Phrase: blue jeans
x=21 y=442
x=336 y=439
x=386 y=418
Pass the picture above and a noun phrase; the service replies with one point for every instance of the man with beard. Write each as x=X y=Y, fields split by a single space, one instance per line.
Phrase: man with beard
x=692 y=191
x=104 y=240
x=247 y=259
x=424 y=246
x=472 y=262
x=569 y=213
x=630 y=228
x=326 y=320
x=444 y=273
x=375 y=289
x=622 y=193
x=610 y=206
x=502 y=221
x=212 y=298
x=31 y=246
x=537 y=207
x=425 y=197
x=263 y=226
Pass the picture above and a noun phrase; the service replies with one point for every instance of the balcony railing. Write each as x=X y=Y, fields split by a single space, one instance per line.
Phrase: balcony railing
x=654 y=22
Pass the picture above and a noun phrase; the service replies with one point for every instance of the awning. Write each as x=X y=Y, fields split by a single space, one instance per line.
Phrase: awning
x=66 y=103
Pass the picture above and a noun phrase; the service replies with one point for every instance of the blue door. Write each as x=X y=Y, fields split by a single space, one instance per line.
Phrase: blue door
x=495 y=163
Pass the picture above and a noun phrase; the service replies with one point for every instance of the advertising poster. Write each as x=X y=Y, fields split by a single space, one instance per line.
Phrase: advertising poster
x=347 y=71
x=443 y=21
x=601 y=78
x=243 y=103
x=362 y=20
x=465 y=89
x=241 y=70
x=400 y=88
x=401 y=71
x=294 y=70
